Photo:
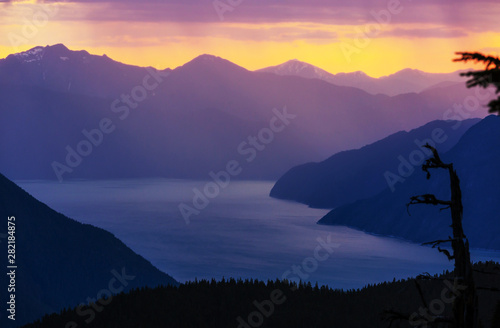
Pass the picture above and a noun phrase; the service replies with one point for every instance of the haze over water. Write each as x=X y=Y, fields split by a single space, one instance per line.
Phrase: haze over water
x=242 y=233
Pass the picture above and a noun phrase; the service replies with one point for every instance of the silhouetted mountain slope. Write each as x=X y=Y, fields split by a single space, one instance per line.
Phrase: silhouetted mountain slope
x=355 y=174
x=202 y=114
x=475 y=158
x=405 y=81
x=244 y=304
x=61 y=262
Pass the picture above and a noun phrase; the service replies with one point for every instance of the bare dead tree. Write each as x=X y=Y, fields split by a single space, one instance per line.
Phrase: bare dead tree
x=465 y=308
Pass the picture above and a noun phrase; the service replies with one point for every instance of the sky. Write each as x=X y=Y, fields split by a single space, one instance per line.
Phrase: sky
x=377 y=37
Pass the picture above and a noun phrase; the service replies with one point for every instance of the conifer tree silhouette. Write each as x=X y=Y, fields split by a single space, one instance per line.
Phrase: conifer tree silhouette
x=490 y=76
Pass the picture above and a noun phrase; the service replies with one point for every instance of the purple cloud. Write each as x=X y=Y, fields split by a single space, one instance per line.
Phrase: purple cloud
x=477 y=14
x=425 y=33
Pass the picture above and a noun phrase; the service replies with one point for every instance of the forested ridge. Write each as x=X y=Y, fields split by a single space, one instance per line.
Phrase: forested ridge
x=220 y=304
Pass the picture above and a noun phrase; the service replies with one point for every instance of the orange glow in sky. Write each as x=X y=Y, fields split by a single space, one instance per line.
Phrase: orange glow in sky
x=139 y=35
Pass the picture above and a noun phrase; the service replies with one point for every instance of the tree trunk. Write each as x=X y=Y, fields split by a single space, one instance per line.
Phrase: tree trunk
x=465 y=305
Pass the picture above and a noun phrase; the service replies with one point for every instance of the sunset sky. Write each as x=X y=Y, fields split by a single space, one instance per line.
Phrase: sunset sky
x=377 y=37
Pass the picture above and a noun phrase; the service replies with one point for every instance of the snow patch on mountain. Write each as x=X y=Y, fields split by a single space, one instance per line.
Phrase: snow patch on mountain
x=32 y=55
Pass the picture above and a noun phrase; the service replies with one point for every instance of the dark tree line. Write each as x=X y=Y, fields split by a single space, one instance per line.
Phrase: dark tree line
x=218 y=304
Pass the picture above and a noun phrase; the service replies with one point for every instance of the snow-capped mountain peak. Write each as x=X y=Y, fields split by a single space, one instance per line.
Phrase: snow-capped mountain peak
x=291 y=67
x=32 y=55
x=298 y=68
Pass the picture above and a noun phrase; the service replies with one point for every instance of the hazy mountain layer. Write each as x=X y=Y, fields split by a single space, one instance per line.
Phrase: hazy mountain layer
x=69 y=114
x=475 y=158
x=355 y=174
x=404 y=81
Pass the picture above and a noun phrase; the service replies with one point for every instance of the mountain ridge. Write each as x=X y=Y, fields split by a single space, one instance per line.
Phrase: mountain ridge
x=58 y=68
x=294 y=67
x=475 y=158
x=53 y=252
x=407 y=80
x=202 y=113
x=346 y=176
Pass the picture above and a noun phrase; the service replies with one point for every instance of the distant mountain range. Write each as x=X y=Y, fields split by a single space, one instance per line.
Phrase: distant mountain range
x=475 y=158
x=404 y=81
x=186 y=122
x=61 y=262
x=355 y=174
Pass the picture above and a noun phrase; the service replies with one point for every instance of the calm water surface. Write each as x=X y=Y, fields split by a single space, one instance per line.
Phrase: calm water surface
x=241 y=233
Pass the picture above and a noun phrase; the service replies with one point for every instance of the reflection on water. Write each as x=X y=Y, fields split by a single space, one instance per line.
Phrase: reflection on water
x=241 y=233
